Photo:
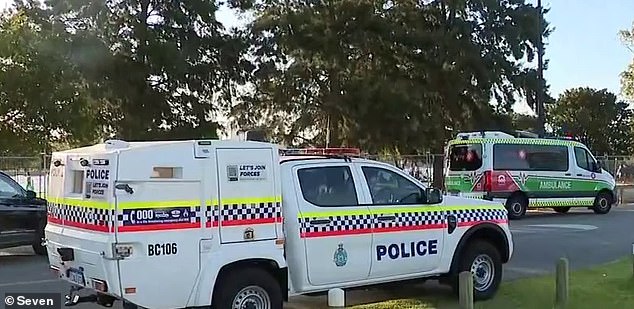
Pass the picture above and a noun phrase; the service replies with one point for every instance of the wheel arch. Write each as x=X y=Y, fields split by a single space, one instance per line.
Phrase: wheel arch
x=486 y=231
x=271 y=266
x=609 y=192
x=519 y=193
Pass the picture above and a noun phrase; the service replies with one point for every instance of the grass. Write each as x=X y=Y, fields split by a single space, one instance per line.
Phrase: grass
x=607 y=286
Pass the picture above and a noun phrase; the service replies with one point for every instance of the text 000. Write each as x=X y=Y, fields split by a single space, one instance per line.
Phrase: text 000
x=162 y=249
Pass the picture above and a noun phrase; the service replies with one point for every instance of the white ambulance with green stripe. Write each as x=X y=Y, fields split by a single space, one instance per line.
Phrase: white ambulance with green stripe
x=523 y=171
x=236 y=224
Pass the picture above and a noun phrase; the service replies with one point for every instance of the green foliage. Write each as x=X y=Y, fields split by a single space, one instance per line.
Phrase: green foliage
x=44 y=99
x=386 y=75
x=596 y=118
x=627 y=77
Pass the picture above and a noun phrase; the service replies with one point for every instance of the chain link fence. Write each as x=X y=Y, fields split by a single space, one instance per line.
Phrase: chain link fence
x=32 y=172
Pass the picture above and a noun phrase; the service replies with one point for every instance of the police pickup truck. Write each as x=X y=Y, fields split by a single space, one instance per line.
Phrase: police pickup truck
x=236 y=224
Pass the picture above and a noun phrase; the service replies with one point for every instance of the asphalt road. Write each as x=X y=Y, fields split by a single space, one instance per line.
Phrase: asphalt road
x=541 y=239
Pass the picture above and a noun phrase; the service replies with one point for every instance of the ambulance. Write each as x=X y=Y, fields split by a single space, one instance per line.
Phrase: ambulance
x=242 y=224
x=524 y=171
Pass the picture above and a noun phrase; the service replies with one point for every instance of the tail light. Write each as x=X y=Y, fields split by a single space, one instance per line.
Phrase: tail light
x=488 y=181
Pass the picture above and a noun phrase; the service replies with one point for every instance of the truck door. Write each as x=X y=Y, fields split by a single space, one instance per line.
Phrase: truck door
x=409 y=235
x=248 y=206
x=157 y=210
x=335 y=227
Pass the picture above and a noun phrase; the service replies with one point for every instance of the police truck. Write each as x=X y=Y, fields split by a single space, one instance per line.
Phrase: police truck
x=242 y=224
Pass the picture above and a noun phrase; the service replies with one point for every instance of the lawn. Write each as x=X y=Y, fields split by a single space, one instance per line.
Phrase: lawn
x=607 y=286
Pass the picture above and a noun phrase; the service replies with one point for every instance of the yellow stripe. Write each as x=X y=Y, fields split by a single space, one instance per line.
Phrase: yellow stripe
x=246 y=201
x=159 y=204
x=81 y=203
x=386 y=210
x=515 y=141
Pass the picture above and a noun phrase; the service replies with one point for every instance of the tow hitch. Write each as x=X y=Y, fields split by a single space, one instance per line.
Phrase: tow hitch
x=72 y=298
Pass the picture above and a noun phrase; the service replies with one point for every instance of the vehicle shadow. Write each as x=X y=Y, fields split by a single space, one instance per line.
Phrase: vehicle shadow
x=429 y=294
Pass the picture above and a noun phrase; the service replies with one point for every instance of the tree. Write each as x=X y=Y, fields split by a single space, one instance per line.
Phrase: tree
x=627 y=76
x=596 y=118
x=43 y=98
x=380 y=74
x=166 y=68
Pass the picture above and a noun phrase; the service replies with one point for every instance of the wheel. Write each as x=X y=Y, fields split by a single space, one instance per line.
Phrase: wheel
x=516 y=206
x=562 y=210
x=248 y=288
x=602 y=203
x=37 y=242
x=485 y=263
x=39 y=249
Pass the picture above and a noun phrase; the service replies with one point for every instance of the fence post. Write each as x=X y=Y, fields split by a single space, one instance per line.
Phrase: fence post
x=465 y=288
x=562 y=284
x=633 y=259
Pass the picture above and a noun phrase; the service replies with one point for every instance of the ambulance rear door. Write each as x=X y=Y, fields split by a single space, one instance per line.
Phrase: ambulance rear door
x=158 y=202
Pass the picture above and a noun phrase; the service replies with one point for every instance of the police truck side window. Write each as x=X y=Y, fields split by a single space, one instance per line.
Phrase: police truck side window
x=387 y=187
x=465 y=157
x=328 y=186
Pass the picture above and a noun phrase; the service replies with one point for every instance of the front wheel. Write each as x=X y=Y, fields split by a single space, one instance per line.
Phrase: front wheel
x=485 y=264
x=516 y=206
x=602 y=203
x=248 y=288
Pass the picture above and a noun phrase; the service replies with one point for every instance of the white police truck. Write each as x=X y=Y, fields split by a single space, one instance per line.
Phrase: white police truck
x=237 y=224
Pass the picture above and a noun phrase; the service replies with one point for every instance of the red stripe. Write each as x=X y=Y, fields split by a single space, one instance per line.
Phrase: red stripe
x=245 y=222
x=251 y=221
x=392 y=229
x=91 y=227
x=472 y=223
x=160 y=227
x=54 y=220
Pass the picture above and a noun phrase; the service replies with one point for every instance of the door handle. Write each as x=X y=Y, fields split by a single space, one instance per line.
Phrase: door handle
x=386 y=218
x=452 y=223
x=579 y=174
x=319 y=222
x=568 y=174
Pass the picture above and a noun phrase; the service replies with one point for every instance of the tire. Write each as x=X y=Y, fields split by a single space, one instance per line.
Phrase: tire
x=485 y=282
x=516 y=206
x=602 y=203
x=256 y=283
x=561 y=210
x=39 y=249
x=37 y=242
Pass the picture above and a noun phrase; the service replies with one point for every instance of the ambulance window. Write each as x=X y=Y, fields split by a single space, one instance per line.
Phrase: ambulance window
x=328 y=186
x=521 y=157
x=584 y=160
x=390 y=188
x=465 y=157
x=78 y=182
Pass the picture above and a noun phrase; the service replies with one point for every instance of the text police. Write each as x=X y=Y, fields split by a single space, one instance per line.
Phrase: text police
x=404 y=250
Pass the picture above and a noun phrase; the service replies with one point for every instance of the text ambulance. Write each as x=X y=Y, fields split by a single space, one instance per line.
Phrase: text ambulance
x=234 y=224
x=527 y=172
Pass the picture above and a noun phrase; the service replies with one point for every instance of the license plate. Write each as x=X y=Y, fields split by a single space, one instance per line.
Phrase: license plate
x=76 y=276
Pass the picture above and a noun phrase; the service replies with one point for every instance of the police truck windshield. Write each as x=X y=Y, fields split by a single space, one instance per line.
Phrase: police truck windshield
x=465 y=157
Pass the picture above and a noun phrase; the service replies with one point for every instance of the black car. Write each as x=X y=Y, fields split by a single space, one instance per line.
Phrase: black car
x=22 y=216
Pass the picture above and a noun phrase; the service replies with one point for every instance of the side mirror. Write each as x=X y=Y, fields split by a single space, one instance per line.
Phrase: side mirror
x=30 y=194
x=434 y=196
x=596 y=167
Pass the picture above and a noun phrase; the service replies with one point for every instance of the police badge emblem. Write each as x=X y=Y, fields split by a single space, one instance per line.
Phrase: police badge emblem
x=341 y=256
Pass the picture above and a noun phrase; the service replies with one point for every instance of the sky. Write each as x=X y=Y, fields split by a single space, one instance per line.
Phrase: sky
x=584 y=49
